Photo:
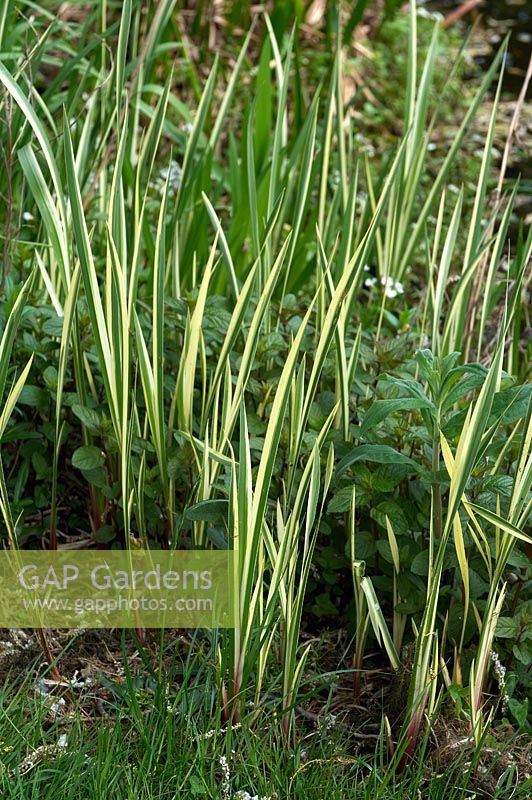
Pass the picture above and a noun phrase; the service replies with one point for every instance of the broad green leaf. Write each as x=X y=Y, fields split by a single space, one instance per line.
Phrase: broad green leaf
x=380 y=409
x=88 y=457
x=378 y=453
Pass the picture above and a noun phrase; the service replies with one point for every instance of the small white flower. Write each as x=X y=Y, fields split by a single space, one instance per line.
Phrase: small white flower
x=173 y=173
x=392 y=288
x=80 y=683
x=226 y=778
x=432 y=146
x=21 y=639
x=56 y=708
x=327 y=723
x=63 y=740
x=500 y=673
x=27 y=216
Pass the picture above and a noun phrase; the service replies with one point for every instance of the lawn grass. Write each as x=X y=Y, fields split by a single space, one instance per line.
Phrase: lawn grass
x=152 y=734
